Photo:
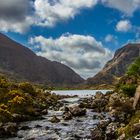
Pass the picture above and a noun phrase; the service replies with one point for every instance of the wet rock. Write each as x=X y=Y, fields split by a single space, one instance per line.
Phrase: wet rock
x=118 y=115
x=44 y=112
x=47 y=127
x=99 y=95
x=77 y=111
x=67 y=116
x=8 y=130
x=103 y=124
x=111 y=131
x=25 y=128
x=54 y=119
x=31 y=139
x=20 y=118
x=38 y=126
x=97 y=134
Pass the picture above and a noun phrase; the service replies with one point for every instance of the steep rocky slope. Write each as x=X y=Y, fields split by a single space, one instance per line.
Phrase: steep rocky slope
x=116 y=67
x=20 y=62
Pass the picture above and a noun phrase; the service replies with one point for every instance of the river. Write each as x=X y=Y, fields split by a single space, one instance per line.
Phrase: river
x=74 y=129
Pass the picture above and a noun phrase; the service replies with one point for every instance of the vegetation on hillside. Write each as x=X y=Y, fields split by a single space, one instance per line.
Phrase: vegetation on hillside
x=130 y=80
x=22 y=99
x=127 y=86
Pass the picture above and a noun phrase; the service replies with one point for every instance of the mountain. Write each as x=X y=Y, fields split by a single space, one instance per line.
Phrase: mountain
x=20 y=62
x=116 y=67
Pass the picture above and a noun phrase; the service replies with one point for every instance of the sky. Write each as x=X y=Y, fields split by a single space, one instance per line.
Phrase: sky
x=82 y=34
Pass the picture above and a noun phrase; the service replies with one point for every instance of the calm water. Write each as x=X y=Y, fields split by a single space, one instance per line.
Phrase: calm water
x=80 y=93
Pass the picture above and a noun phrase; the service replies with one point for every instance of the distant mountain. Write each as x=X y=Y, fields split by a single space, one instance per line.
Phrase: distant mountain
x=116 y=67
x=20 y=62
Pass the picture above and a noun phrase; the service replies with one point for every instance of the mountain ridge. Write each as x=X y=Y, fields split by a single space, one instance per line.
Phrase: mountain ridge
x=19 y=61
x=117 y=66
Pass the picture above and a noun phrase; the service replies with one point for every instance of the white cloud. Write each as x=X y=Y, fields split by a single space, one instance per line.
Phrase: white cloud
x=82 y=53
x=111 y=39
x=124 y=26
x=16 y=26
x=51 y=12
x=19 y=15
x=126 y=6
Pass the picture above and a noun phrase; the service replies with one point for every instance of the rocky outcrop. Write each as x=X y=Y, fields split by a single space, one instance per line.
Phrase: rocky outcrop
x=136 y=97
x=19 y=62
x=117 y=67
x=8 y=130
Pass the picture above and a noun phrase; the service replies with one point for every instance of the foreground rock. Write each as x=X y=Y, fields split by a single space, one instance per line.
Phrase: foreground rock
x=8 y=130
x=67 y=116
x=54 y=119
x=104 y=131
x=77 y=111
x=97 y=103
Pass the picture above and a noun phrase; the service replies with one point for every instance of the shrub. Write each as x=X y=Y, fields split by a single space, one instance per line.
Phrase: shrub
x=5 y=115
x=27 y=88
x=14 y=93
x=128 y=89
x=134 y=69
x=3 y=83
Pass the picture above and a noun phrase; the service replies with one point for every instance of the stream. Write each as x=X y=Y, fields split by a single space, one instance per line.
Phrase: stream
x=74 y=129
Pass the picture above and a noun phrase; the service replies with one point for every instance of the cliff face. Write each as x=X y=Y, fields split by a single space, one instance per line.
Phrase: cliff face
x=116 y=67
x=20 y=62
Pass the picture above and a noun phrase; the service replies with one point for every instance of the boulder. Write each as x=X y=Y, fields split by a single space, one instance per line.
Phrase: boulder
x=25 y=128
x=103 y=124
x=77 y=111
x=54 y=119
x=44 y=112
x=8 y=130
x=111 y=131
x=97 y=134
x=67 y=116
x=20 y=118
x=99 y=95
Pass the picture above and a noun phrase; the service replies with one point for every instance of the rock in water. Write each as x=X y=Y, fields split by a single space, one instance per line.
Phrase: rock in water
x=54 y=119
x=77 y=111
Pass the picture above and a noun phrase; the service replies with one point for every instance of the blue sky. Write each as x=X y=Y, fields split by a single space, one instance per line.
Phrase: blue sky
x=82 y=34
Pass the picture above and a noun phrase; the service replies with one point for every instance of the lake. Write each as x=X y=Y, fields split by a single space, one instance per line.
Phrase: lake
x=80 y=93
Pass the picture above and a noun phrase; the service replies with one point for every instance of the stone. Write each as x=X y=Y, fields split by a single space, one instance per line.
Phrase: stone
x=54 y=119
x=8 y=130
x=111 y=131
x=99 y=95
x=44 y=112
x=97 y=134
x=77 y=111
x=25 y=128
x=67 y=116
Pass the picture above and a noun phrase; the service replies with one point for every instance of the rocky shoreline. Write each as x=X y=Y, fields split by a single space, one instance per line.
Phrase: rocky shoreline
x=105 y=115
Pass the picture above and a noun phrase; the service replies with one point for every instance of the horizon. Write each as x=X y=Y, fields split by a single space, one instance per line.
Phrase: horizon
x=80 y=34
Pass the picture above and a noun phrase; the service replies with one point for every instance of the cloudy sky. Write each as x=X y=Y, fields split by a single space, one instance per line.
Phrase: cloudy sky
x=82 y=34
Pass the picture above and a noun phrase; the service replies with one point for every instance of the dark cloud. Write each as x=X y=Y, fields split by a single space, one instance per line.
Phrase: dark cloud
x=14 y=9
